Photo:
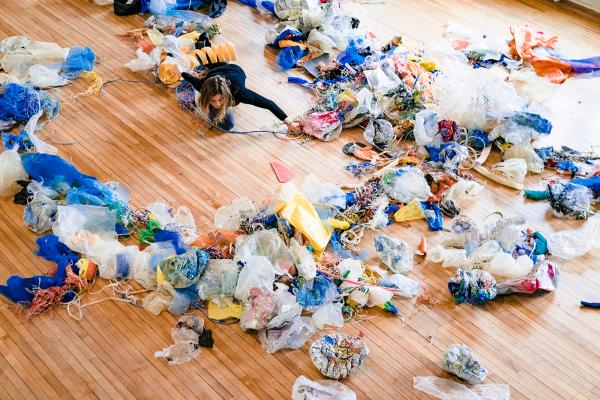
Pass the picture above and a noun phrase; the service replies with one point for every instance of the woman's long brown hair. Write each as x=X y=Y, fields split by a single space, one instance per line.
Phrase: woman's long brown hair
x=214 y=86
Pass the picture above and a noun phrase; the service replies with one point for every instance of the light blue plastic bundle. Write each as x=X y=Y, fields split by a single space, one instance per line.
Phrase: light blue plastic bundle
x=79 y=59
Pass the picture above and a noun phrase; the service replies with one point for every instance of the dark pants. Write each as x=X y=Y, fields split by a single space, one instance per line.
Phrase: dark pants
x=227 y=123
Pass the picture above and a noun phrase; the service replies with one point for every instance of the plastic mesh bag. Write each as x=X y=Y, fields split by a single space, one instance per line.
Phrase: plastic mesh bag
x=460 y=361
x=446 y=389
x=11 y=171
x=305 y=389
x=394 y=253
x=292 y=336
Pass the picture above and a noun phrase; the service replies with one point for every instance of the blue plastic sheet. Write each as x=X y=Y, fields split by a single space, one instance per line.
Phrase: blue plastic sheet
x=288 y=57
x=433 y=214
x=592 y=183
x=173 y=237
x=351 y=56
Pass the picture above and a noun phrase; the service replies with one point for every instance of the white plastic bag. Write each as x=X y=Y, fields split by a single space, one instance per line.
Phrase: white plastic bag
x=256 y=273
x=450 y=258
x=267 y=244
x=44 y=77
x=144 y=61
x=320 y=41
x=446 y=389
x=533 y=160
x=305 y=389
x=11 y=171
x=514 y=169
x=426 y=128
x=570 y=244
x=504 y=265
x=407 y=287
x=40 y=145
x=404 y=184
x=328 y=314
x=230 y=216
x=305 y=263
x=460 y=192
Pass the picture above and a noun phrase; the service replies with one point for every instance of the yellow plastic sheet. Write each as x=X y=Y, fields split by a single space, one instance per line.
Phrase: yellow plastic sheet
x=231 y=310
x=410 y=212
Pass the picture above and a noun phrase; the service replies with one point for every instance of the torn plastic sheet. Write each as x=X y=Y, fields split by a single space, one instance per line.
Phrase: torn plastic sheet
x=305 y=389
x=446 y=389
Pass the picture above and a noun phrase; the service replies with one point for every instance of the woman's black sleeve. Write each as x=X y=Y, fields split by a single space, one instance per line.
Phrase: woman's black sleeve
x=247 y=96
x=196 y=82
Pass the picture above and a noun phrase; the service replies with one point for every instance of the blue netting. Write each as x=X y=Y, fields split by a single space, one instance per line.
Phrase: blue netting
x=288 y=57
x=21 y=141
x=53 y=171
x=534 y=121
x=20 y=102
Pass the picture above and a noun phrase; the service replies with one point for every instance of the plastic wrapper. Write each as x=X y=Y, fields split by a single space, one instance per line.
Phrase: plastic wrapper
x=218 y=280
x=186 y=335
x=323 y=193
x=514 y=169
x=459 y=360
x=407 y=287
x=446 y=389
x=184 y=270
x=504 y=265
x=394 y=253
x=292 y=336
x=40 y=213
x=463 y=190
x=544 y=276
x=426 y=128
x=305 y=263
x=337 y=357
x=328 y=314
x=43 y=77
x=473 y=286
x=268 y=244
x=11 y=171
x=533 y=160
x=570 y=200
x=322 y=125
x=259 y=309
x=450 y=258
x=286 y=308
x=305 y=389
x=230 y=216
x=474 y=98
x=404 y=184
x=143 y=60
x=257 y=272
x=316 y=292
x=569 y=244
x=380 y=133
x=383 y=76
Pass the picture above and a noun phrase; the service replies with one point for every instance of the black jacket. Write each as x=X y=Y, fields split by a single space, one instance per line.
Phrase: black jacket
x=237 y=84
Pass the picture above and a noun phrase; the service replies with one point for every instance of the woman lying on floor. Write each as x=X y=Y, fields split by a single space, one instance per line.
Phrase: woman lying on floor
x=223 y=87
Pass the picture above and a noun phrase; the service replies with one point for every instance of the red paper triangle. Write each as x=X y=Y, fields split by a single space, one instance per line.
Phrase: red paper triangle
x=283 y=173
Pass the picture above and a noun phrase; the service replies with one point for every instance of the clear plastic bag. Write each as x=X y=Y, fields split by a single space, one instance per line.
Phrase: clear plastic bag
x=230 y=216
x=305 y=389
x=82 y=227
x=186 y=335
x=257 y=272
x=426 y=128
x=504 y=265
x=405 y=184
x=380 y=133
x=180 y=220
x=514 y=169
x=305 y=263
x=320 y=41
x=160 y=299
x=569 y=244
x=446 y=389
x=286 y=308
x=259 y=309
x=378 y=296
x=407 y=287
x=459 y=360
x=545 y=276
x=383 y=75
x=322 y=192
x=464 y=233
x=506 y=230
x=394 y=253
x=11 y=171
x=450 y=258
x=328 y=314
x=463 y=190
x=268 y=244
x=219 y=280
x=527 y=153
x=40 y=213
x=292 y=336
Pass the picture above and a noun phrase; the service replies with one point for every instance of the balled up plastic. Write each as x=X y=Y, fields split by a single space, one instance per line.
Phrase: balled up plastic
x=257 y=272
x=473 y=286
x=406 y=286
x=338 y=356
x=394 y=253
x=460 y=361
x=404 y=184
x=184 y=270
x=258 y=309
x=185 y=335
x=292 y=336
x=305 y=389
x=265 y=243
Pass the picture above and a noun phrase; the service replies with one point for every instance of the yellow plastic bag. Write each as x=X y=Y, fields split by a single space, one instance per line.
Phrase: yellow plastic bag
x=232 y=310
x=410 y=212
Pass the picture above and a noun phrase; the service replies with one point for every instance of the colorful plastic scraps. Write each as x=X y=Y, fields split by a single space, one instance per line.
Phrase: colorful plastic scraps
x=472 y=286
x=337 y=357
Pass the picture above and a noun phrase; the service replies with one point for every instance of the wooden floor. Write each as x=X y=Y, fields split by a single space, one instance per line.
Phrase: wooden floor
x=544 y=347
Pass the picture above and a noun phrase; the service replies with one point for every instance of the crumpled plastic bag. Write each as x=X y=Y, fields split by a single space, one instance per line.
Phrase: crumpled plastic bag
x=426 y=128
x=322 y=125
x=312 y=294
x=572 y=243
x=44 y=77
x=450 y=258
x=322 y=192
x=320 y=41
x=286 y=309
x=305 y=389
x=257 y=272
x=328 y=314
x=184 y=270
x=259 y=309
x=474 y=286
x=404 y=184
x=570 y=200
x=505 y=230
x=394 y=253
x=338 y=356
x=514 y=169
x=446 y=389
x=11 y=171
x=186 y=335
x=40 y=213
x=504 y=265
x=159 y=300
x=360 y=112
x=83 y=227
x=305 y=263
x=383 y=76
x=292 y=336
x=230 y=216
x=380 y=133
x=462 y=191
x=268 y=244
x=218 y=280
x=406 y=286
x=459 y=360
x=144 y=61
x=534 y=163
